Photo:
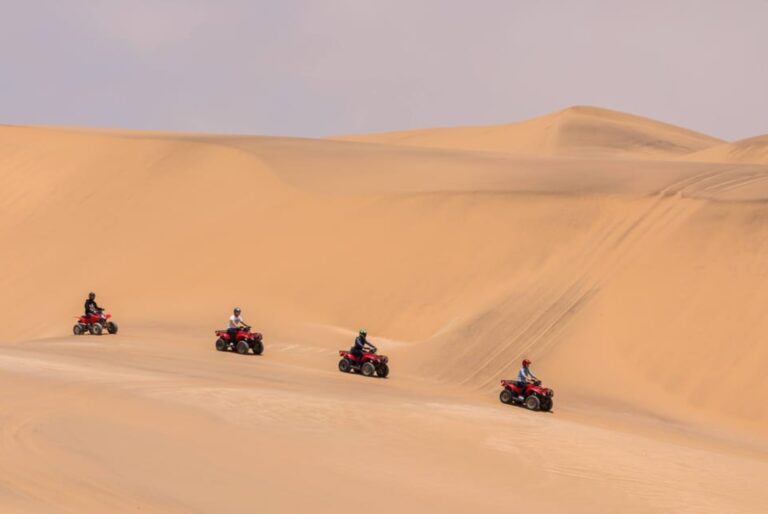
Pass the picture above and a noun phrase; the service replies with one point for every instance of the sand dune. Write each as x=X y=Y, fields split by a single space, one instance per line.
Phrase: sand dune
x=577 y=131
x=636 y=285
x=753 y=150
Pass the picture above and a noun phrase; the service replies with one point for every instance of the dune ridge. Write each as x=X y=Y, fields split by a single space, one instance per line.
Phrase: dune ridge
x=576 y=131
x=753 y=150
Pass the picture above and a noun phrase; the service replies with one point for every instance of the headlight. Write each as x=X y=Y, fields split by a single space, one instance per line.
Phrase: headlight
x=551 y=393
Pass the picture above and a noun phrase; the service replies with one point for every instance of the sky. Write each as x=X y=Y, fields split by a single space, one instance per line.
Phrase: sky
x=329 y=67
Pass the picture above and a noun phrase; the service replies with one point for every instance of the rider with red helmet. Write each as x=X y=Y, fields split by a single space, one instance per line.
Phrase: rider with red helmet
x=524 y=376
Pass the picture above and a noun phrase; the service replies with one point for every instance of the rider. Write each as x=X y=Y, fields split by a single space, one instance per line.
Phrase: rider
x=360 y=342
x=90 y=305
x=235 y=321
x=524 y=376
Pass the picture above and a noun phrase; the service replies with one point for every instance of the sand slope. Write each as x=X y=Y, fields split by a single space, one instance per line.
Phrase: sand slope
x=576 y=131
x=154 y=421
x=633 y=284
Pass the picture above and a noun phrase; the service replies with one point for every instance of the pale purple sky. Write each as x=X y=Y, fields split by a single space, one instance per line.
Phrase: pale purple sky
x=313 y=68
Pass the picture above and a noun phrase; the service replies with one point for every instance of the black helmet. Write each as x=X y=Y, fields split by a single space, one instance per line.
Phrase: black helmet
x=237 y=310
x=91 y=295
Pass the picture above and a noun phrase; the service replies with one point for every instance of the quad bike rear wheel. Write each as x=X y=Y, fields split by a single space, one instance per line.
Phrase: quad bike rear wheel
x=241 y=347
x=382 y=371
x=78 y=329
x=112 y=327
x=96 y=329
x=345 y=365
x=368 y=369
x=258 y=347
x=221 y=344
x=506 y=396
x=546 y=404
x=532 y=402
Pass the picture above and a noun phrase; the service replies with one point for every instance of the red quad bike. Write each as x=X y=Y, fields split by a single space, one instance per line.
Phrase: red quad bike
x=371 y=362
x=95 y=324
x=244 y=339
x=534 y=397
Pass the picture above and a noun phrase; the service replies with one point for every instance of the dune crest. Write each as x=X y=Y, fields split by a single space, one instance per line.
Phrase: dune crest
x=579 y=131
x=753 y=150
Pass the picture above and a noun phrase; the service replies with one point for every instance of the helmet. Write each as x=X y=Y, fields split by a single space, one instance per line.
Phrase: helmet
x=526 y=363
x=237 y=310
x=91 y=295
x=363 y=332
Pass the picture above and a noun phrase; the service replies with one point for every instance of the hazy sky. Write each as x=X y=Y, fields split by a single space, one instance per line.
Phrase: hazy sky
x=322 y=67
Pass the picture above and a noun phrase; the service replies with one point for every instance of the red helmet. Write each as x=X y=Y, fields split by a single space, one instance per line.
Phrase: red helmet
x=526 y=363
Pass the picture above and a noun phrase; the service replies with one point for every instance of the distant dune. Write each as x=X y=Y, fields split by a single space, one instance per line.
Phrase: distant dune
x=577 y=131
x=625 y=256
x=747 y=151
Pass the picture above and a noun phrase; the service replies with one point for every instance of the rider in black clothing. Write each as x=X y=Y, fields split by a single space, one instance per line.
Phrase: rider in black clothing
x=90 y=305
x=360 y=343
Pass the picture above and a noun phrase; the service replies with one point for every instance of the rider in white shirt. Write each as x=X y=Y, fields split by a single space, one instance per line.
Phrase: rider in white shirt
x=235 y=322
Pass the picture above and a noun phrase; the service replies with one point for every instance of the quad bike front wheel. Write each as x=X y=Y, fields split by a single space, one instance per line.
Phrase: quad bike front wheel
x=546 y=404
x=368 y=369
x=258 y=347
x=97 y=329
x=506 y=396
x=532 y=402
x=382 y=371
x=112 y=327
x=345 y=365
x=241 y=347
x=221 y=344
x=78 y=329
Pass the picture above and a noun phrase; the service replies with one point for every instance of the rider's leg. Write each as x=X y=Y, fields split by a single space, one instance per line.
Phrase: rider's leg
x=522 y=386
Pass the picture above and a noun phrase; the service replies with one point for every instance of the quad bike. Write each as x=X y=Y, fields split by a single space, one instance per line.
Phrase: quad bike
x=243 y=341
x=95 y=324
x=533 y=396
x=370 y=363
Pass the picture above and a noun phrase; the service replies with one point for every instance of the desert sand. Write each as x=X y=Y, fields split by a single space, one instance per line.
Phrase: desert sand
x=626 y=257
